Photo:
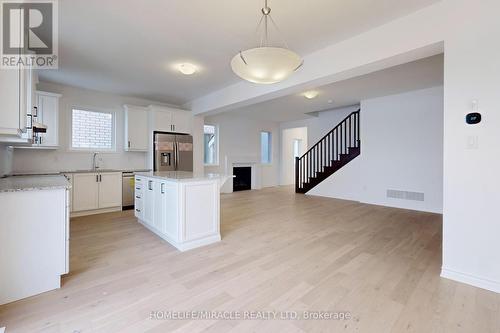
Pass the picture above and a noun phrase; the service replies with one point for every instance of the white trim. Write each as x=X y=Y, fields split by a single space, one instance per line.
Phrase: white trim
x=95 y=211
x=184 y=246
x=472 y=280
x=46 y=93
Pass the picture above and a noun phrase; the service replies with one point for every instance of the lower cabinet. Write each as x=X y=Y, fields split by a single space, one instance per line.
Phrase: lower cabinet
x=139 y=198
x=110 y=189
x=85 y=191
x=92 y=191
x=149 y=202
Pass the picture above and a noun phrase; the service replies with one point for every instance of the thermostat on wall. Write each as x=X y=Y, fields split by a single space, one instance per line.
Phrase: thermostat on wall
x=473 y=118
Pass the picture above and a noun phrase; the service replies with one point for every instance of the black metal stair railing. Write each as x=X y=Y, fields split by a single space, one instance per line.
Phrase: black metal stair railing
x=337 y=148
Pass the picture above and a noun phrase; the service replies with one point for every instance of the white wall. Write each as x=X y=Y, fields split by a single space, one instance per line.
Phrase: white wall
x=288 y=136
x=402 y=147
x=239 y=142
x=471 y=246
x=64 y=159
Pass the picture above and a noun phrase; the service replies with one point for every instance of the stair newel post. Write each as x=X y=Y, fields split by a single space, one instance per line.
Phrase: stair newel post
x=359 y=127
x=297 y=178
x=350 y=133
x=356 y=129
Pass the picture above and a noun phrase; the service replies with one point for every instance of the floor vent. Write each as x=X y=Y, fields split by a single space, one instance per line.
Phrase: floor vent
x=405 y=195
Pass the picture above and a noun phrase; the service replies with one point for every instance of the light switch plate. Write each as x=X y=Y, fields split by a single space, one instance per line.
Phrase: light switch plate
x=472 y=142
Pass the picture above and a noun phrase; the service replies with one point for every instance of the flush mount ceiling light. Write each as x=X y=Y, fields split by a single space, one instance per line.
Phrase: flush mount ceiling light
x=187 y=68
x=311 y=94
x=266 y=64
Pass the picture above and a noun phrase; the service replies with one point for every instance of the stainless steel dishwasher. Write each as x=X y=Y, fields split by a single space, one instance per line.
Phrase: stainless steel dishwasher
x=128 y=190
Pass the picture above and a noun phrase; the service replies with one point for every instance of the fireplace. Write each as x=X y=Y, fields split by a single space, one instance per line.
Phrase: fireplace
x=243 y=178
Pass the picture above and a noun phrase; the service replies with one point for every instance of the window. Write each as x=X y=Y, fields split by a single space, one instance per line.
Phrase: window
x=297 y=147
x=265 y=147
x=211 y=143
x=92 y=130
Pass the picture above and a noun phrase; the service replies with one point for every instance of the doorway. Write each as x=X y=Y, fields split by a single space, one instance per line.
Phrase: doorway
x=293 y=144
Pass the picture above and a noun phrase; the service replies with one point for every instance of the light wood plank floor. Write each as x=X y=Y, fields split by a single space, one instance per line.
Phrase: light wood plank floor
x=281 y=252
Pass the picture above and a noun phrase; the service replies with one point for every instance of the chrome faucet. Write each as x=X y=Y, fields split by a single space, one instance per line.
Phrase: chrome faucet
x=94 y=162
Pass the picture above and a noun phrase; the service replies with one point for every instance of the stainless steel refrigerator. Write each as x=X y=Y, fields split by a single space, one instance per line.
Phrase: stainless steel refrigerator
x=173 y=152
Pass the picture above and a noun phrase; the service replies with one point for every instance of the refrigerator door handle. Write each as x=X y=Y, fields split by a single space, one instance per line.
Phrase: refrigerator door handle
x=178 y=155
x=175 y=155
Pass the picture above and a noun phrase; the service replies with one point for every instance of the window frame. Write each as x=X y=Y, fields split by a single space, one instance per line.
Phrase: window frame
x=97 y=110
x=270 y=148
x=217 y=160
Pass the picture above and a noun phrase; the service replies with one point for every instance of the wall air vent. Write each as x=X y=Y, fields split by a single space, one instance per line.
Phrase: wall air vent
x=405 y=195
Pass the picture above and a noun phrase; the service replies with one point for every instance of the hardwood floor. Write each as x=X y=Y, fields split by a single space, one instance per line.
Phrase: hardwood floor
x=280 y=252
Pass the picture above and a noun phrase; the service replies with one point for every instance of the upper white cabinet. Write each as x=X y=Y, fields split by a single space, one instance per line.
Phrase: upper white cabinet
x=136 y=128
x=48 y=114
x=166 y=119
x=16 y=101
x=181 y=121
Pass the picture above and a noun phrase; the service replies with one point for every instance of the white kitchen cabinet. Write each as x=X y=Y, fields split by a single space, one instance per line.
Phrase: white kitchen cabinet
x=159 y=206
x=85 y=191
x=165 y=119
x=93 y=191
x=16 y=102
x=34 y=236
x=149 y=202
x=110 y=189
x=170 y=227
x=181 y=121
x=136 y=128
x=48 y=115
x=139 y=198
x=160 y=118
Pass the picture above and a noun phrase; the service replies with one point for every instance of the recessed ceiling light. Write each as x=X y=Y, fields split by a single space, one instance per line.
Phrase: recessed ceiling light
x=187 y=68
x=311 y=94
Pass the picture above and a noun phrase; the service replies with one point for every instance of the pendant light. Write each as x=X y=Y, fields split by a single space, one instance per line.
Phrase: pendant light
x=266 y=64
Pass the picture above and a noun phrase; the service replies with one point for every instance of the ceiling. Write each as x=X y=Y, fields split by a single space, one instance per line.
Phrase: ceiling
x=128 y=47
x=415 y=75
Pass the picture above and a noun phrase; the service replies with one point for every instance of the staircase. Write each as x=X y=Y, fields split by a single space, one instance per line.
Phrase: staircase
x=336 y=149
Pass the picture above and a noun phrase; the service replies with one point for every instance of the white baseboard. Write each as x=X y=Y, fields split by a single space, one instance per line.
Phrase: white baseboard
x=472 y=280
x=97 y=211
x=187 y=245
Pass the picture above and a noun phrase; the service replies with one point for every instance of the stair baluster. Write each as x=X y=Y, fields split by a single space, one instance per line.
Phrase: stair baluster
x=336 y=149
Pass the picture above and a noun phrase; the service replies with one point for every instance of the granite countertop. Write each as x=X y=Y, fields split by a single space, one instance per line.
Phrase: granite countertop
x=33 y=183
x=184 y=176
x=34 y=173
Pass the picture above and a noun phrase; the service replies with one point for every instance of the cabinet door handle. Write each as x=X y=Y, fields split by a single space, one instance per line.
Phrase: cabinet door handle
x=162 y=188
x=138 y=210
x=137 y=197
x=150 y=185
x=129 y=144
x=97 y=178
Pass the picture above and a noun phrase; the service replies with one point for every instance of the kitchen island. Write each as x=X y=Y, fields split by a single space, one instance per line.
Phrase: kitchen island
x=181 y=207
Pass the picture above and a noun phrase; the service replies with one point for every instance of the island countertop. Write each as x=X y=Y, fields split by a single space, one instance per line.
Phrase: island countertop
x=33 y=183
x=184 y=176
